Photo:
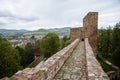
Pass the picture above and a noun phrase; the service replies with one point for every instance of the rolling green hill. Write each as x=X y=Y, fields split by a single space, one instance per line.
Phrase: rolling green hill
x=58 y=31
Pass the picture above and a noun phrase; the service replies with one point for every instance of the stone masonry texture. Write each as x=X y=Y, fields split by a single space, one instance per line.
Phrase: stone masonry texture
x=75 y=67
x=89 y=29
x=47 y=69
x=77 y=61
x=90 y=24
x=94 y=69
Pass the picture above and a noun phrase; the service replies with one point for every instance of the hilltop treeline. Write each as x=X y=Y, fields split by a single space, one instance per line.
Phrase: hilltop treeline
x=13 y=59
x=109 y=43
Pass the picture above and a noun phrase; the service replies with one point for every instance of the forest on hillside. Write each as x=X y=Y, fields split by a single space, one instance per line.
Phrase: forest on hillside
x=109 y=47
x=109 y=43
x=16 y=58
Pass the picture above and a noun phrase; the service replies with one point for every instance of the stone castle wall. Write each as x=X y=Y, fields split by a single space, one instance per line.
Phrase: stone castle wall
x=76 y=33
x=89 y=29
x=49 y=68
x=95 y=71
x=90 y=24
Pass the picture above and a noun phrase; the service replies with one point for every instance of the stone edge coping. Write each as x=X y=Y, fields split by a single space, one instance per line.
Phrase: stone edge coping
x=53 y=63
x=95 y=72
x=61 y=53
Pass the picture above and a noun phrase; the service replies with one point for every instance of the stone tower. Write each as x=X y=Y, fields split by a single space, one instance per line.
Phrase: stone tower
x=89 y=30
x=76 y=33
x=90 y=24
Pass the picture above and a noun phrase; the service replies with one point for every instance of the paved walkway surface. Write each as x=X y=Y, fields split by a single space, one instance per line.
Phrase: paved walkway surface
x=75 y=67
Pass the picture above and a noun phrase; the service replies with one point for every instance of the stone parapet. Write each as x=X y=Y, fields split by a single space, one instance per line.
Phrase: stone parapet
x=49 y=68
x=95 y=71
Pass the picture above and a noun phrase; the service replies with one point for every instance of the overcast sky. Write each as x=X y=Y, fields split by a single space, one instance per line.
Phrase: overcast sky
x=36 y=14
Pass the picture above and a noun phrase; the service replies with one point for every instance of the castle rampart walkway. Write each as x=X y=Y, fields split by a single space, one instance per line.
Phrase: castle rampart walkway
x=74 y=62
x=77 y=61
x=75 y=66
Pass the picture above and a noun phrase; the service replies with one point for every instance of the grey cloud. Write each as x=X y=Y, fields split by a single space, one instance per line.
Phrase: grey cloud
x=8 y=18
x=2 y=24
x=57 y=13
x=28 y=19
x=6 y=14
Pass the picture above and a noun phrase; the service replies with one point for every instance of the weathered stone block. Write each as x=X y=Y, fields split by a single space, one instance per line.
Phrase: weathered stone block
x=95 y=71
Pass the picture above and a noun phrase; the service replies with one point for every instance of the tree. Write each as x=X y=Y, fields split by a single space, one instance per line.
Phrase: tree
x=37 y=44
x=64 y=42
x=109 y=44
x=1 y=36
x=65 y=38
x=116 y=45
x=29 y=54
x=104 y=41
x=9 y=59
x=21 y=52
x=33 y=39
x=49 y=44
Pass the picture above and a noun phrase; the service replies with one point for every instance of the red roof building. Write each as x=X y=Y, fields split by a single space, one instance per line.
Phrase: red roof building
x=37 y=53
